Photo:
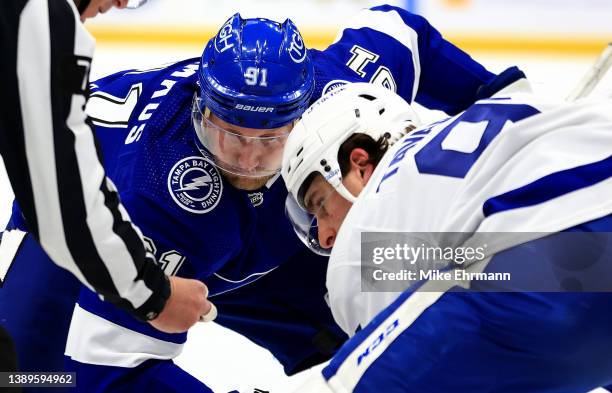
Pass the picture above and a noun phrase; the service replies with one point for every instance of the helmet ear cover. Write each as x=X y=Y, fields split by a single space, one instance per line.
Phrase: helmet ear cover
x=256 y=73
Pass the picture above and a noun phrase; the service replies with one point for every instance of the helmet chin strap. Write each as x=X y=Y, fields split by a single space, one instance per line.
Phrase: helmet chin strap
x=336 y=182
x=345 y=193
x=394 y=136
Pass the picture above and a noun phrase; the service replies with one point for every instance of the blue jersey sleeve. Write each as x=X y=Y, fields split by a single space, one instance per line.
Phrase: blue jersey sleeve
x=121 y=104
x=114 y=98
x=402 y=51
x=115 y=104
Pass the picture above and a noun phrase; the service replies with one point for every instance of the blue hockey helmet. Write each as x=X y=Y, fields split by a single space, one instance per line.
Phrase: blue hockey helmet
x=256 y=73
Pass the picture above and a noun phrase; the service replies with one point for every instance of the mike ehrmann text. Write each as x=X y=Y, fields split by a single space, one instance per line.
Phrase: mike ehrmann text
x=437 y=275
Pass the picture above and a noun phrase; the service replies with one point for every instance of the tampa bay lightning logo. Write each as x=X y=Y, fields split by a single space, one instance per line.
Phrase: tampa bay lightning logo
x=195 y=184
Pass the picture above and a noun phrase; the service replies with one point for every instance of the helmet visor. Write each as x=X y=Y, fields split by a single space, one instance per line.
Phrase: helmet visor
x=305 y=226
x=249 y=153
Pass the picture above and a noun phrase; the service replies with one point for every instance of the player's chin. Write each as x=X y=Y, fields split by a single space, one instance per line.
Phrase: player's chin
x=245 y=183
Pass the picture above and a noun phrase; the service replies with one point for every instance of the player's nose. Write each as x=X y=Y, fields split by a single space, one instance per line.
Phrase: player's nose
x=249 y=158
x=327 y=235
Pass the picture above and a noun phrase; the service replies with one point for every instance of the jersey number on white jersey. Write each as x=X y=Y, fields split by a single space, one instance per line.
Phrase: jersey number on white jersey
x=454 y=150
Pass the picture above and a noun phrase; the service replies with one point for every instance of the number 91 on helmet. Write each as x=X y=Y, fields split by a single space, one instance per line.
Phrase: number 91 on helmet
x=255 y=79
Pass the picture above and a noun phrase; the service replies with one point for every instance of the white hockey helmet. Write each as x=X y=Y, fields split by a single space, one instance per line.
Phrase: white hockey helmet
x=314 y=143
x=315 y=140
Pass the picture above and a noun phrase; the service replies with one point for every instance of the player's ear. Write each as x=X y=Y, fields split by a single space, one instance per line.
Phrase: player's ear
x=360 y=162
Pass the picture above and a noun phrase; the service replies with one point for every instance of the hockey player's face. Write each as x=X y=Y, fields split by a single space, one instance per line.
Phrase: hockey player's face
x=329 y=207
x=248 y=157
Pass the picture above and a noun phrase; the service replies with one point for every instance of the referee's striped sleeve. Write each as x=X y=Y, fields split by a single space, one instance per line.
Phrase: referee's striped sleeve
x=53 y=162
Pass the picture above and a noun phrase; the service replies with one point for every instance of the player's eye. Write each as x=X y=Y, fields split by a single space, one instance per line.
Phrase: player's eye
x=321 y=211
x=313 y=207
x=271 y=141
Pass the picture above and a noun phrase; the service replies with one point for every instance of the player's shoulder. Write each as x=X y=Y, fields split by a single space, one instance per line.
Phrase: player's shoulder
x=129 y=98
x=384 y=18
x=522 y=93
x=382 y=24
x=519 y=92
x=141 y=80
x=391 y=12
x=370 y=47
x=331 y=71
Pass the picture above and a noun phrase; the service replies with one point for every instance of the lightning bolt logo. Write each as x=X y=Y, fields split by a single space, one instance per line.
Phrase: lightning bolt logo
x=196 y=183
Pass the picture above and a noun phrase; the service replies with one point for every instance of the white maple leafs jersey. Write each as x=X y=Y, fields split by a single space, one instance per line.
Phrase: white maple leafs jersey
x=511 y=163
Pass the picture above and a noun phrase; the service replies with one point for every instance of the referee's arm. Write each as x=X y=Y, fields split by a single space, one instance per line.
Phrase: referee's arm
x=52 y=160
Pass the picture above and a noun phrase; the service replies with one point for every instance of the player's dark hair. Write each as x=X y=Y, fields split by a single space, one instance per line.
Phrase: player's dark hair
x=375 y=149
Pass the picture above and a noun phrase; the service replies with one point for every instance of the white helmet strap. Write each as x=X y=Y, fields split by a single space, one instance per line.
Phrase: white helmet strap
x=345 y=193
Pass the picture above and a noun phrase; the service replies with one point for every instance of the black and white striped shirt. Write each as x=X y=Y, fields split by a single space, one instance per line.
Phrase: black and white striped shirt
x=52 y=160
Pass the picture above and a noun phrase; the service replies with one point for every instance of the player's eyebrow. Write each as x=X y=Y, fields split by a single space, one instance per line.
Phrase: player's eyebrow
x=265 y=134
x=308 y=198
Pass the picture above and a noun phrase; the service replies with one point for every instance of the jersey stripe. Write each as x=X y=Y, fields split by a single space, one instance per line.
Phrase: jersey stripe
x=94 y=340
x=10 y=241
x=353 y=360
x=550 y=187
